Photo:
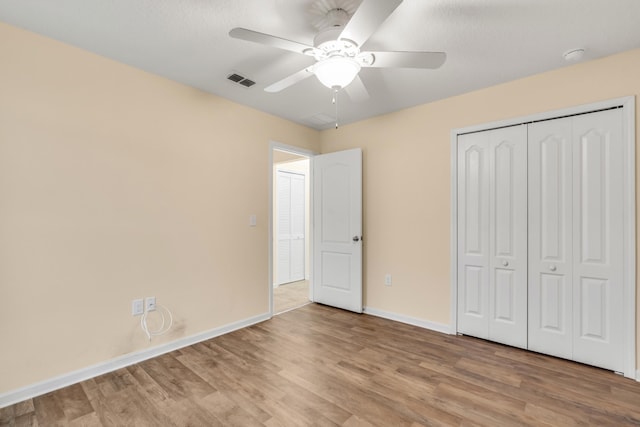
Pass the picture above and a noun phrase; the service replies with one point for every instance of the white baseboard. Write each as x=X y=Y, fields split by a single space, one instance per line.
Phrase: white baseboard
x=37 y=389
x=433 y=326
x=638 y=376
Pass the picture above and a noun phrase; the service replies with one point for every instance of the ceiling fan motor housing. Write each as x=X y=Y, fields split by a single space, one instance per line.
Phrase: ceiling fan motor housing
x=328 y=42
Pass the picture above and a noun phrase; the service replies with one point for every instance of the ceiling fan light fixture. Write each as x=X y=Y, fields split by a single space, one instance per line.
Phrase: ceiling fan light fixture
x=337 y=71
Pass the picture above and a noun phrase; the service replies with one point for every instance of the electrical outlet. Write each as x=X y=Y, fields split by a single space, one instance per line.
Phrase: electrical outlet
x=387 y=280
x=137 y=307
x=150 y=303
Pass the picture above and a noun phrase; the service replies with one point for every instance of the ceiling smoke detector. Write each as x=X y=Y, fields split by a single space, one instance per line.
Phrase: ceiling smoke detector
x=573 y=55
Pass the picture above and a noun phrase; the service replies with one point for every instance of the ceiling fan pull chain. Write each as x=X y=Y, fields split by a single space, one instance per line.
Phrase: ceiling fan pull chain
x=335 y=102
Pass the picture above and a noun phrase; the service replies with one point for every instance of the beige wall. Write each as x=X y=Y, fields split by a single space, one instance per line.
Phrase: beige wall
x=407 y=175
x=114 y=185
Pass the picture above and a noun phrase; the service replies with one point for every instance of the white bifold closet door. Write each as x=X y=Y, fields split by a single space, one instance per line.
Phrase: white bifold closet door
x=290 y=227
x=492 y=235
x=575 y=238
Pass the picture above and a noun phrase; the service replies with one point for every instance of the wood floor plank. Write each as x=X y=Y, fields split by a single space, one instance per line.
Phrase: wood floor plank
x=113 y=382
x=228 y=412
x=551 y=417
x=98 y=402
x=133 y=408
x=462 y=379
x=48 y=411
x=304 y=400
x=326 y=367
x=89 y=420
x=355 y=421
x=177 y=380
x=234 y=391
x=190 y=412
x=26 y=420
x=74 y=402
x=153 y=390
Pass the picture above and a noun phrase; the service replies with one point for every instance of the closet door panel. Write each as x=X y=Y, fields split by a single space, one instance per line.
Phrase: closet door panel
x=297 y=227
x=597 y=242
x=553 y=314
x=283 y=230
x=473 y=234
x=549 y=239
x=508 y=236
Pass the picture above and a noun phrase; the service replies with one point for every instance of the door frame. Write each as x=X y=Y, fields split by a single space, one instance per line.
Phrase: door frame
x=273 y=146
x=629 y=211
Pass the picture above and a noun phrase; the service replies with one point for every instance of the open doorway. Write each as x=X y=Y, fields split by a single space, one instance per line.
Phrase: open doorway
x=290 y=285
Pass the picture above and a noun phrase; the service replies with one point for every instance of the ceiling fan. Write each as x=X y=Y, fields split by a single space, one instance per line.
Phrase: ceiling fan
x=336 y=49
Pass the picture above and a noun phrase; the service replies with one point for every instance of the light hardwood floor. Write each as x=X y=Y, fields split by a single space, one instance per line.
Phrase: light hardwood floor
x=290 y=296
x=322 y=366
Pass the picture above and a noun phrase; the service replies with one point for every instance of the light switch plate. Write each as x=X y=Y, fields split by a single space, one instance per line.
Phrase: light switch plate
x=387 y=280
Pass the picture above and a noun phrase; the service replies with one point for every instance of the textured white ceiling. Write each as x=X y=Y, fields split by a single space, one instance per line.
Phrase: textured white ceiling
x=487 y=42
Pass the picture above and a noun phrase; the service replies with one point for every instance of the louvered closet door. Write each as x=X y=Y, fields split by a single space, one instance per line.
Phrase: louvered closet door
x=284 y=227
x=550 y=244
x=297 y=227
x=290 y=227
x=492 y=227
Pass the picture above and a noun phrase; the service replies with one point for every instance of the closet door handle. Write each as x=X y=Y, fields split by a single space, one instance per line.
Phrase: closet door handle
x=552 y=268
x=505 y=263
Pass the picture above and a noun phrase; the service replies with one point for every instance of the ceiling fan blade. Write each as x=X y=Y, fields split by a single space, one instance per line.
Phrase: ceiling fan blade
x=357 y=91
x=269 y=40
x=367 y=18
x=406 y=59
x=290 y=81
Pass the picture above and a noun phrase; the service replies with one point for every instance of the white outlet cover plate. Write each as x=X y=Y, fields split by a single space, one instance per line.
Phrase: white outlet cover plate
x=137 y=307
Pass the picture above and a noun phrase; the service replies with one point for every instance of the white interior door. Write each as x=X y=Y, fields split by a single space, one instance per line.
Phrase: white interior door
x=290 y=227
x=337 y=235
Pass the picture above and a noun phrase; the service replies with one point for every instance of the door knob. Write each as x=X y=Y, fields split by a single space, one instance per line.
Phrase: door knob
x=505 y=263
x=356 y=239
x=552 y=268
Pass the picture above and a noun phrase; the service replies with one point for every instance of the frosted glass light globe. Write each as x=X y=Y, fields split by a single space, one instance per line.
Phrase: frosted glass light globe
x=337 y=71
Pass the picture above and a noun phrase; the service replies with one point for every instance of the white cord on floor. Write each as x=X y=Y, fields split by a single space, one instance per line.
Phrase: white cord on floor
x=161 y=330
